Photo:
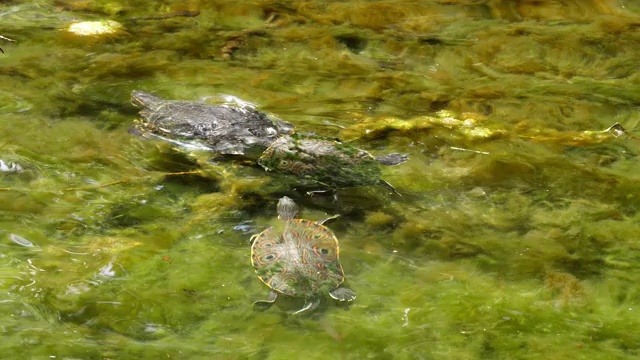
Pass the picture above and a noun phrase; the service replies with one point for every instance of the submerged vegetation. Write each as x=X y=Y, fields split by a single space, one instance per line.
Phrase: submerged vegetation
x=516 y=235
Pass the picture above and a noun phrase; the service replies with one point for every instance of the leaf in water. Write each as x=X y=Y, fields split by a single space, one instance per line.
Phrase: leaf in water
x=20 y=240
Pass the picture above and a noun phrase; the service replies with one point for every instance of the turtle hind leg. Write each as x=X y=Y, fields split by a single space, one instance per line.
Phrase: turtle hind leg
x=309 y=305
x=343 y=294
x=265 y=304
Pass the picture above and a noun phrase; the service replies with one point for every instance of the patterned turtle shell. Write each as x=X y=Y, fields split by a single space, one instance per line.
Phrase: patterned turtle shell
x=321 y=160
x=298 y=258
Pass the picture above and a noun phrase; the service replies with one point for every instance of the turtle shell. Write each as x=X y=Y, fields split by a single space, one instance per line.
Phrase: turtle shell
x=301 y=260
x=325 y=161
x=223 y=128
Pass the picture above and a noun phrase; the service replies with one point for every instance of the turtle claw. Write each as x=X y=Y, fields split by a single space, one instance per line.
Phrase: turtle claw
x=265 y=304
x=309 y=305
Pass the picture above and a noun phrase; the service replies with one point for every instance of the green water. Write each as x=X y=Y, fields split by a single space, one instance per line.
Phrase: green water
x=516 y=235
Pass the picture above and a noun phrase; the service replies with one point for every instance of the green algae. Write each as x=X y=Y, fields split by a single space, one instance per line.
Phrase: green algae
x=515 y=237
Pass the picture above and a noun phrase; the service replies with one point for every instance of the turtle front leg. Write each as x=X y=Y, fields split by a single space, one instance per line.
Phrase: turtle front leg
x=310 y=304
x=265 y=304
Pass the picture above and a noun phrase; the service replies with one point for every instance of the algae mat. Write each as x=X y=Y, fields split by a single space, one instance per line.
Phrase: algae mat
x=516 y=235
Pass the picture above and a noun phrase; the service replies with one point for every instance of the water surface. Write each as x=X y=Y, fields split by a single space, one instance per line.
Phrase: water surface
x=516 y=235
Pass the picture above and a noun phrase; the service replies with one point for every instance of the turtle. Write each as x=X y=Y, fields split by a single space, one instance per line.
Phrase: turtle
x=224 y=129
x=299 y=258
x=275 y=145
x=326 y=161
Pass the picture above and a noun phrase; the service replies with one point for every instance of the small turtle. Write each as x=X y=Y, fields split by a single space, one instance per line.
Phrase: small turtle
x=326 y=161
x=223 y=128
x=298 y=259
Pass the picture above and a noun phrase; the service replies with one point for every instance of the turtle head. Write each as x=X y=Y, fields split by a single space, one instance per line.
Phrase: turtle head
x=144 y=100
x=287 y=209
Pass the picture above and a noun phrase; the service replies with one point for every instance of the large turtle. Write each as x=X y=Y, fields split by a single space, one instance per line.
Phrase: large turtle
x=224 y=129
x=298 y=258
x=329 y=162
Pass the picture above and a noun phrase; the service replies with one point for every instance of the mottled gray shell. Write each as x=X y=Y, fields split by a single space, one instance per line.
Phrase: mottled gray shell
x=224 y=129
